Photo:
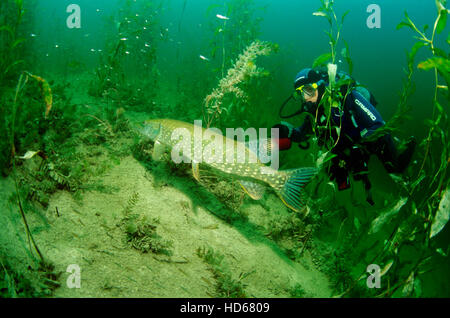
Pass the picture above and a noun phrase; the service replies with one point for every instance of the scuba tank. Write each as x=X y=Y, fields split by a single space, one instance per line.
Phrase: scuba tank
x=354 y=84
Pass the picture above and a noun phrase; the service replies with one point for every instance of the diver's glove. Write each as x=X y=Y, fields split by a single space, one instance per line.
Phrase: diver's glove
x=285 y=131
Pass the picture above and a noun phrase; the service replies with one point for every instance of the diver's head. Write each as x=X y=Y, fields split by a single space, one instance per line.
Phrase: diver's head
x=306 y=85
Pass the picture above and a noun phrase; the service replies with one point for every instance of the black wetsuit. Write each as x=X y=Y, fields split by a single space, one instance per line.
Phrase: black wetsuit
x=358 y=120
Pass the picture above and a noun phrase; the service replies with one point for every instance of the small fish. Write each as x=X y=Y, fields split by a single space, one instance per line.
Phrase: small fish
x=204 y=58
x=33 y=35
x=29 y=154
x=319 y=14
x=123 y=39
x=222 y=17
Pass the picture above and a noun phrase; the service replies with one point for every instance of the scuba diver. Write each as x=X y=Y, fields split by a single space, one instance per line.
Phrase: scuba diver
x=347 y=128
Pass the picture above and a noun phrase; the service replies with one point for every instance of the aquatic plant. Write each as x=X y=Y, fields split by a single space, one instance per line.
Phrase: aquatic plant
x=297 y=291
x=428 y=213
x=10 y=41
x=234 y=28
x=335 y=92
x=243 y=69
x=132 y=201
x=141 y=232
x=142 y=235
x=122 y=80
x=21 y=83
x=405 y=238
x=226 y=285
x=439 y=62
x=15 y=283
x=290 y=233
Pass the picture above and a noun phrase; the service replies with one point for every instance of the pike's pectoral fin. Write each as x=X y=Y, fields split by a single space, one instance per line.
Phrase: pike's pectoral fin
x=253 y=189
x=196 y=171
x=158 y=151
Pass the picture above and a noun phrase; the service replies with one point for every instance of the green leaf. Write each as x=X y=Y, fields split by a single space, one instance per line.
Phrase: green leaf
x=415 y=49
x=417 y=288
x=408 y=288
x=404 y=24
x=12 y=65
x=386 y=216
x=438 y=106
x=422 y=173
x=343 y=16
x=408 y=23
x=347 y=58
x=437 y=62
x=322 y=60
x=442 y=215
x=17 y=42
x=439 y=52
x=442 y=21
x=429 y=123
x=440 y=63
x=439 y=5
x=7 y=29
x=357 y=224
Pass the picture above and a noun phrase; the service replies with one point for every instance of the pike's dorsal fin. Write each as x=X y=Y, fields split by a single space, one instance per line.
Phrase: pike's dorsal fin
x=253 y=189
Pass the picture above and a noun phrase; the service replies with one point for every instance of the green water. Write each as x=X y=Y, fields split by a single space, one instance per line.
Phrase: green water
x=92 y=195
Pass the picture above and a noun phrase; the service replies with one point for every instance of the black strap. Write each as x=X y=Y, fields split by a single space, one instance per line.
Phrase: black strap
x=282 y=107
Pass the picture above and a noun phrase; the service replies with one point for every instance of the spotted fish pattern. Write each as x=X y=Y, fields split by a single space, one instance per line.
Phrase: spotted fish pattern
x=253 y=176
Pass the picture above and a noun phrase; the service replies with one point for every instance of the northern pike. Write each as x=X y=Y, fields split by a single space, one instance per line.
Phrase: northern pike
x=253 y=175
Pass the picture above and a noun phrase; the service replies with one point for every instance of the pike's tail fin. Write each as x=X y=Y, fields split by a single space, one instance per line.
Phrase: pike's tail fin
x=291 y=192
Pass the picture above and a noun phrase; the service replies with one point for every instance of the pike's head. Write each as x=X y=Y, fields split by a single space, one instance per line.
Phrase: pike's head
x=151 y=128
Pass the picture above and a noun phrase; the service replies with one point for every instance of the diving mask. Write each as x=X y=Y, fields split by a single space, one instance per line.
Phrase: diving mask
x=306 y=91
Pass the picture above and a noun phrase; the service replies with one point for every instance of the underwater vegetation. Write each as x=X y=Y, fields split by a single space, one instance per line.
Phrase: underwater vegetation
x=233 y=30
x=226 y=285
x=133 y=45
x=242 y=71
x=11 y=40
x=141 y=232
x=403 y=239
x=60 y=138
